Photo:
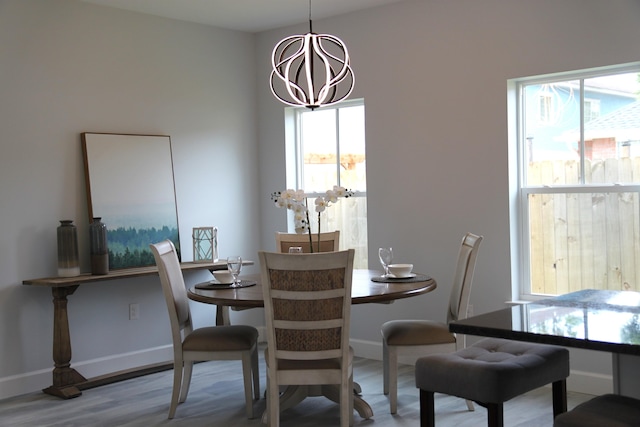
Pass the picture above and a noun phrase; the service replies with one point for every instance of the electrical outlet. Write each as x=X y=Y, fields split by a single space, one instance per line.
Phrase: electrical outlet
x=134 y=311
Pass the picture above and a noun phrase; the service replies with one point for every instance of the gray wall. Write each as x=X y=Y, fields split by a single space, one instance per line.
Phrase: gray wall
x=434 y=78
x=68 y=67
x=433 y=75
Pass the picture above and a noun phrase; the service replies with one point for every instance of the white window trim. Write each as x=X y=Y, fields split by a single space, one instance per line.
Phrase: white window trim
x=518 y=193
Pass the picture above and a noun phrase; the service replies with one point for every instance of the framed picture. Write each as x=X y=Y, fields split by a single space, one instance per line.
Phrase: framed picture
x=130 y=185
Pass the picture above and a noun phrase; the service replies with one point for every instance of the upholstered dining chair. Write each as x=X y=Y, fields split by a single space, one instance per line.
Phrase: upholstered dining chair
x=233 y=342
x=421 y=337
x=307 y=300
x=329 y=241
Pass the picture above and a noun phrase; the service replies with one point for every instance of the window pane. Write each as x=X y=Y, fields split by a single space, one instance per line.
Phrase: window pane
x=584 y=240
x=612 y=134
x=319 y=150
x=549 y=110
x=352 y=148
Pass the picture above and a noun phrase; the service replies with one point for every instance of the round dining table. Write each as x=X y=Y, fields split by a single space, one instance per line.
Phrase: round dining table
x=367 y=287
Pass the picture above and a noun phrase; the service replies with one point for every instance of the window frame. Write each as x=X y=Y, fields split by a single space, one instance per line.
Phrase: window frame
x=518 y=156
x=294 y=158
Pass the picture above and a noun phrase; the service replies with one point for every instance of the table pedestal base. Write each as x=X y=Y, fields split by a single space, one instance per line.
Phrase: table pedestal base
x=296 y=394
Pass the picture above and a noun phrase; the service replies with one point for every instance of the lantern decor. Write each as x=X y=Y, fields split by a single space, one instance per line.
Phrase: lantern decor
x=311 y=70
x=205 y=244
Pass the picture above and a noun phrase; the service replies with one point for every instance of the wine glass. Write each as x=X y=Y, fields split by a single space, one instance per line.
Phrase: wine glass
x=234 y=265
x=386 y=257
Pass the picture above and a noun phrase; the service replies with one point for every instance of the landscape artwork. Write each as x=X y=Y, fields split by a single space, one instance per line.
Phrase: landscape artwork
x=130 y=185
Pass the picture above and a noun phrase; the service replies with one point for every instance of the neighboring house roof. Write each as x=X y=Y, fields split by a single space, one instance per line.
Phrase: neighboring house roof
x=622 y=124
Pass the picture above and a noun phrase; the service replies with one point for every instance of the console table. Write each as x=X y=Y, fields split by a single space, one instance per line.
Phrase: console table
x=67 y=382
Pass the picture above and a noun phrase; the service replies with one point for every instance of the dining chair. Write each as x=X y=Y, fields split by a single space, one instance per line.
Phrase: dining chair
x=307 y=300
x=606 y=410
x=233 y=342
x=413 y=338
x=329 y=241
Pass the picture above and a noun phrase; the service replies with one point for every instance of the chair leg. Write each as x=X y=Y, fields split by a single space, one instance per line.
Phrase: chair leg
x=392 y=378
x=255 y=373
x=247 y=374
x=351 y=398
x=177 y=381
x=186 y=380
x=273 y=403
x=495 y=414
x=346 y=395
x=559 y=397
x=470 y=406
x=427 y=409
x=385 y=367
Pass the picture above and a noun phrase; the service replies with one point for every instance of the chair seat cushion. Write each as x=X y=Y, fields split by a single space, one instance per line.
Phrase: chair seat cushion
x=492 y=370
x=221 y=338
x=610 y=410
x=416 y=332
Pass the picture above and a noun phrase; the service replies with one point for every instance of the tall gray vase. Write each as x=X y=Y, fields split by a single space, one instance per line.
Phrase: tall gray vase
x=68 y=260
x=98 y=247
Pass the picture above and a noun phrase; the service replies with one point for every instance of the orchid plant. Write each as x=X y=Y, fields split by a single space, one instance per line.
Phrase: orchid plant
x=296 y=201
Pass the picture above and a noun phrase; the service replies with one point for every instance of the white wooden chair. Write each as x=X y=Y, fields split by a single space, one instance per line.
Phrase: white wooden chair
x=307 y=299
x=329 y=241
x=414 y=338
x=234 y=342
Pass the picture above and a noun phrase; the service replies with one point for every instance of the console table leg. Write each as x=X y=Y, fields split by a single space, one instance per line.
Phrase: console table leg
x=65 y=378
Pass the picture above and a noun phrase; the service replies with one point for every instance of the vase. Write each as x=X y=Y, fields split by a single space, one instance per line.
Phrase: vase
x=68 y=260
x=98 y=247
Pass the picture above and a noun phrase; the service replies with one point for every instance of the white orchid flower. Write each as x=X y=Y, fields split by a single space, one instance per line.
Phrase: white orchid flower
x=321 y=204
x=331 y=196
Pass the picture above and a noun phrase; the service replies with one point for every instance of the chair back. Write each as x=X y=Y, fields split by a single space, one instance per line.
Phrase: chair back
x=463 y=278
x=329 y=242
x=173 y=288
x=307 y=299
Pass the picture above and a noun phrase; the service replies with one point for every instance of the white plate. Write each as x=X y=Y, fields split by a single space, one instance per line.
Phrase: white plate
x=409 y=276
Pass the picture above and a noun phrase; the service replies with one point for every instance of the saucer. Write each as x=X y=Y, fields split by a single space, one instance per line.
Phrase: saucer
x=408 y=276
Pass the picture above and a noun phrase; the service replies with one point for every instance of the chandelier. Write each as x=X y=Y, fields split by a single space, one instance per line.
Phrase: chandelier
x=311 y=70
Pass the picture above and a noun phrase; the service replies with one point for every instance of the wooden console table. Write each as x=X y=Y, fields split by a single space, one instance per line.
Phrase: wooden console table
x=67 y=382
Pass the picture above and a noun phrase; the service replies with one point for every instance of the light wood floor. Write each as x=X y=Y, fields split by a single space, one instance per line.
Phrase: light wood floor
x=216 y=399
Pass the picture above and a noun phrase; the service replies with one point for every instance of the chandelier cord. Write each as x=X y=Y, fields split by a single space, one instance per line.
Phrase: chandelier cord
x=310 y=25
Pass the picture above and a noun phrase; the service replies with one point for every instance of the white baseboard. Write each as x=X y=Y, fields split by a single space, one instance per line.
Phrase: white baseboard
x=30 y=382
x=15 y=385
x=578 y=381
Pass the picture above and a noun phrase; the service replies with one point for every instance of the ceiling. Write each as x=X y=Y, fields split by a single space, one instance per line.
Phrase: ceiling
x=244 y=15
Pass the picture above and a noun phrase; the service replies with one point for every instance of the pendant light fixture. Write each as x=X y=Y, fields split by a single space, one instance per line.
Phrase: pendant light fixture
x=311 y=70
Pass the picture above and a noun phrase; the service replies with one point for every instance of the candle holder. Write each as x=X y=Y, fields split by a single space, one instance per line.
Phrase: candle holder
x=205 y=244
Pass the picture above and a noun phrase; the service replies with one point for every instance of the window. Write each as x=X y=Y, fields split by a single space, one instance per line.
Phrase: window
x=591 y=109
x=577 y=214
x=326 y=147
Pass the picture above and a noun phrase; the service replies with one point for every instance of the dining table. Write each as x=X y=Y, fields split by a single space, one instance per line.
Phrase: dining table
x=368 y=286
x=592 y=319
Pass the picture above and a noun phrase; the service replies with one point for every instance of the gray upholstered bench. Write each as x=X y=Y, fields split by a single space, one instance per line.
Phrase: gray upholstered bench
x=610 y=410
x=491 y=372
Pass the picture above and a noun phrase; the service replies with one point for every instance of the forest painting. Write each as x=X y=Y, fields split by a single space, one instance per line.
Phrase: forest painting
x=130 y=186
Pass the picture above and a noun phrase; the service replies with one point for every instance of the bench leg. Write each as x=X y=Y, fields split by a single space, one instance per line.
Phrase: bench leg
x=427 y=409
x=495 y=414
x=559 y=397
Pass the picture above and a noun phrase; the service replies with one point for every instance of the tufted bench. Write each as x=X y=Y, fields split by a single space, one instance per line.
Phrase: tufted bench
x=611 y=410
x=490 y=372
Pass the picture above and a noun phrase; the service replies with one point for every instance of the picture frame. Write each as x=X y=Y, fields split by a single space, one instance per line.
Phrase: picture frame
x=130 y=185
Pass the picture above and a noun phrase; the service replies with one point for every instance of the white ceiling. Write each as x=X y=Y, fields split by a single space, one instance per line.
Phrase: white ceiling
x=244 y=15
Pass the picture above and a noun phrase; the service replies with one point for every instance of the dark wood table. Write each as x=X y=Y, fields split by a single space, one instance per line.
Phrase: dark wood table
x=600 y=320
x=67 y=382
x=364 y=291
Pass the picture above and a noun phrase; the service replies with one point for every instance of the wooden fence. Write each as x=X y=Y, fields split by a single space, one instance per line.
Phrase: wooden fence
x=584 y=240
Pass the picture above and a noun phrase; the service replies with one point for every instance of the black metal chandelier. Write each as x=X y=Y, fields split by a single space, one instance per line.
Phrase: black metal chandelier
x=311 y=70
